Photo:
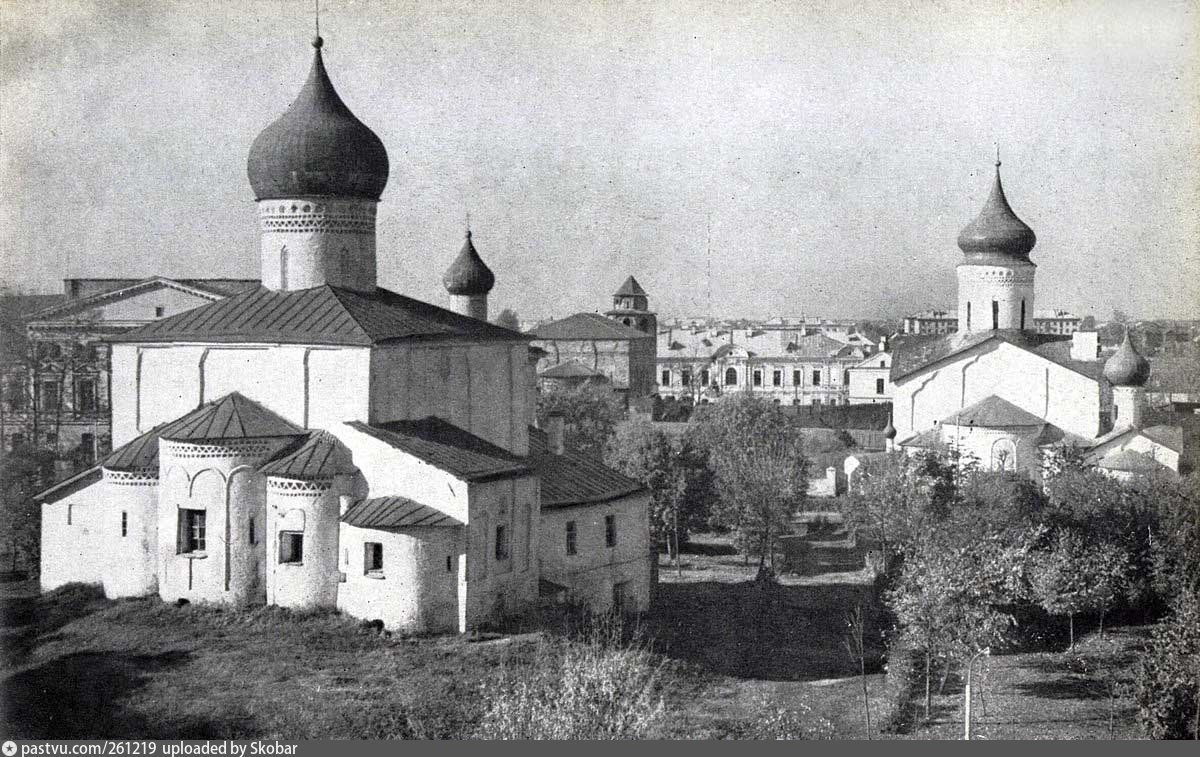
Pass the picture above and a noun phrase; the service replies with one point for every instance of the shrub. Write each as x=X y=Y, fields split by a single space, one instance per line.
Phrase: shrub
x=903 y=675
x=775 y=723
x=1167 y=689
x=595 y=688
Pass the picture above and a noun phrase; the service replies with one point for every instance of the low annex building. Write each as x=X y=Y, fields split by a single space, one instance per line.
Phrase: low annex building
x=324 y=442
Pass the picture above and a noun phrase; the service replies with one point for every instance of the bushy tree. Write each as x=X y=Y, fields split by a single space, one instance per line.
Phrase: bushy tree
x=24 y=473
x=1176 y=548
x=757 y=456
x=1167 y=688
x=675 y=471
x=508 y=319
x=590 y=413
x=1079 y=576
x=889 y=502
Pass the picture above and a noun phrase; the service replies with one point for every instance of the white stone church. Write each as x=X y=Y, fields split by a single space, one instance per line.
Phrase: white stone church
x=1005 y=395
x=324 y=442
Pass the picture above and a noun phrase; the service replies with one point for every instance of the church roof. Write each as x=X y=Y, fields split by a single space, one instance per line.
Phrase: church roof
x=993 y=411
x=468 y=274
x=586 y=326
x=630 y=289
x=574 y=479
x=318 y=456
x=1126 y=367
x=569 y=369
x=996 y=233
x=914 y=353
x=230 y=417
x=317 y=148
x=321 y=315
x=395 y=512
x=447 y=447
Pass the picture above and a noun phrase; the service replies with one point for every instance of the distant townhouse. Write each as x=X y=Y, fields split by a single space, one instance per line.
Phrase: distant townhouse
x=938 y=322
x=871 y=380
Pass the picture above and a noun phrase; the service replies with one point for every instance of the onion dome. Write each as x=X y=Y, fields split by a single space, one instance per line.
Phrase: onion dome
x=317 y=147
x=996 y=231
x=889 y=431
x=1126 y=367
x=468 y=275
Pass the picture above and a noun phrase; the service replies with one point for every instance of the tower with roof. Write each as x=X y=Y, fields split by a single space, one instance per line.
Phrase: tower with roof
x=469 y=280
x=631 y=306
x=995 y=277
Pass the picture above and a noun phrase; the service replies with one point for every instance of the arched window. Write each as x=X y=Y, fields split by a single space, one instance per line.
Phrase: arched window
x=1022 y=315
x=730 y=377
x=968 y=316
x=283 y=267
x=995 y=315
x=1004 y=455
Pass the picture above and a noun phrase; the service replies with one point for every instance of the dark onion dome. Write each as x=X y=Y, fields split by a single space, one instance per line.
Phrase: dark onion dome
x=468 y=275
x=1126 y=367
x=889 y=431
x=317 y=148
x=996 y=231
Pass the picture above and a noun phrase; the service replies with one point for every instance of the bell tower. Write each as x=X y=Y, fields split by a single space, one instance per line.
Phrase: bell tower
x=631 y=307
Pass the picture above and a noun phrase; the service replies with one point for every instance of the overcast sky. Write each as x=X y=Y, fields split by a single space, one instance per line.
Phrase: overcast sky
x=838 y=148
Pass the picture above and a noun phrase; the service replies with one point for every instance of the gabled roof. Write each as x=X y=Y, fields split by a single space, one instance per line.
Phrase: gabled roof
x=630 y=289
x=1130 y=461
x=447 y=447
x=569 y=369
x=321 y=315
x=992 y=412
x=574 y=479
x=385 y=513
x=70 y=485
x=1168 y=436
x=916 y=352
x=587 y=326
x=319 y=456
x=71 y=306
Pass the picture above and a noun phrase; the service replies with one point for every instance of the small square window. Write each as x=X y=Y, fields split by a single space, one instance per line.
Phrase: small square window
x=501 y=542
x=610 y=530
x=159 y=311
x=572 y=544
x=291 y=547
x=372 y=557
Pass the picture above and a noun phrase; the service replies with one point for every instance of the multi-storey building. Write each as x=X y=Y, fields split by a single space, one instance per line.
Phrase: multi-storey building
x=1062 y=322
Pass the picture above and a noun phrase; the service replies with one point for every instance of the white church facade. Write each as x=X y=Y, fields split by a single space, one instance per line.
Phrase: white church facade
x=324 y=442
x=1006 y=396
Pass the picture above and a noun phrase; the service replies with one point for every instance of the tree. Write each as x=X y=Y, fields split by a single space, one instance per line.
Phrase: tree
x=590 y=416
x=887 y=502
x=1077 y=576
x=25 y=471
x=676 y=473
x=508 y=319
x=1167 y=688
x=756 y=454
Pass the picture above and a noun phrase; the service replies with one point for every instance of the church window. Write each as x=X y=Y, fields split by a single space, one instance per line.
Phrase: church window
x=883 y=364
x=70 y=514
x=995 y=315
x=758 y=378
x=1022 y=315
x=968 y=316
x=879 y=386
x=124 y=524
x=252 y=535
x=643 y=324
x=666 y=378
x=191 y=531
x=501 y=543
x=777 y=378
x=449 y=563
x=159 y=311
x=291 y=547
x=372 y=557
x=610 y=530
x=572 y=544
x=816 y=378
x=731 y=377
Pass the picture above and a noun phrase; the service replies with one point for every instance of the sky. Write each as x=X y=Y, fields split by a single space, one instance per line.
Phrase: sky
x=739 y=158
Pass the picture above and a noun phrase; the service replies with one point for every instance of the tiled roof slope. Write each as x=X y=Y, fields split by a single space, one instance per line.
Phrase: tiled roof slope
x=1130 y=461
x=574 y=479
x=320 y=456
x=914 y=352
x=231 y=417
x=395 y=512
x=586 y=326
x=321 y=315
x=993 y=411
x=447 y=447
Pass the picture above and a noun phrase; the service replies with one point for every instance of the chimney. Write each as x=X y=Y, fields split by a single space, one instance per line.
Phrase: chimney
x=554 y=431
x=344 y=503
x=1085 y=346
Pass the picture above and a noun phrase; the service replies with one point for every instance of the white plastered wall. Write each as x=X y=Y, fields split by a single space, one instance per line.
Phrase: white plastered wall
x=73 y=538
x=496 y=587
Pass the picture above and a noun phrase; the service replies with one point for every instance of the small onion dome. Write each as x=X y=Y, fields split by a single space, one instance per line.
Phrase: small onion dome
x=317 y=148
x=997 y=231
x=1126 y=367
x=889 y=431
x=468 y=275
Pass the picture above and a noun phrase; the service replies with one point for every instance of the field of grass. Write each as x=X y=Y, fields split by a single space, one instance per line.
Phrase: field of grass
x=76 y=666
